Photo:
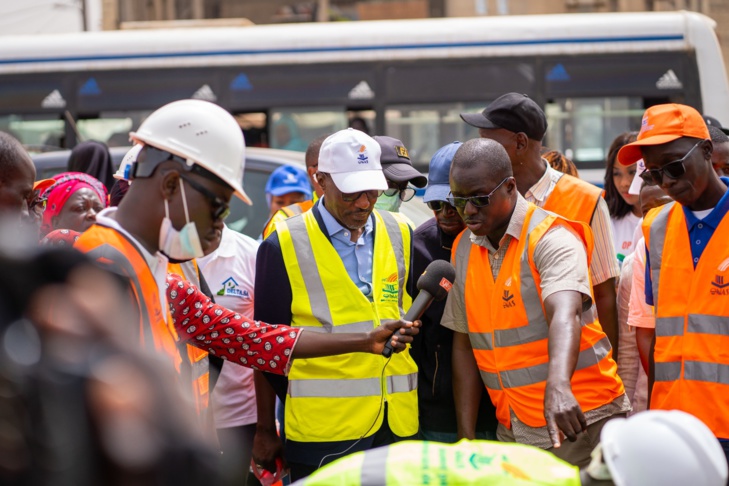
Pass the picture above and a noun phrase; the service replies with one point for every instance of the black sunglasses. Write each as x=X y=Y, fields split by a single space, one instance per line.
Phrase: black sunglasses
x=476 y=201
x=673 y=170
x=220 y=208
x=438 y=206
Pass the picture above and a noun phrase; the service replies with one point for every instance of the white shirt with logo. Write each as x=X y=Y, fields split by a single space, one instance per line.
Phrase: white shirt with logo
x=623 y=232
x=230 y=272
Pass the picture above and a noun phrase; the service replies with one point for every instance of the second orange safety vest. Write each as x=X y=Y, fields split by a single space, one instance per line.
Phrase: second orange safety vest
x=573 y=199
x=508 y=327
x=692 y=319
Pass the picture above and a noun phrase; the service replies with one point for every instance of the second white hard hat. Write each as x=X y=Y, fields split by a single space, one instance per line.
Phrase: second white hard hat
x=669 y=448
x=201 y=132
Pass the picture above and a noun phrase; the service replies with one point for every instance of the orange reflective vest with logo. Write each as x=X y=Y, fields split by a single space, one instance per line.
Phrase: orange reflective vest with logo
x=573 y=199
x=692 y=319
x=118 y=253
x=341 y=397
x=508 y=327
x=284 y=214
x=198 y=359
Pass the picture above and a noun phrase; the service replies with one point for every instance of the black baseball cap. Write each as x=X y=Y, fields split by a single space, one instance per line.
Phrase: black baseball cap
x=514 y=112
x=396 y=164
x=713 y=122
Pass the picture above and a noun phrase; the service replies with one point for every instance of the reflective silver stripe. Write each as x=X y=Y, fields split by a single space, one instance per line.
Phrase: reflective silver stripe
x=538 y=373
x=537 y=327
x=402 y=383
x=393 y=231
x=200 y=368
x=491 y=380
x=364 y=326
x=708 y=324
x=310 y=271
x=669 y=326
x=190 y=273
x=667 y=371
x=658 y=239
x=374 y=467
x=703 y=371
x=481 y=340
x=293 y=209
x=364 y=387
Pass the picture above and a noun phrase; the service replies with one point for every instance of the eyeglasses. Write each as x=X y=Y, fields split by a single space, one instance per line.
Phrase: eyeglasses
x=354 y=196
x=221 y=210
x=673 y=170
x=438 y=206
x=476 y=201
x=405 y=194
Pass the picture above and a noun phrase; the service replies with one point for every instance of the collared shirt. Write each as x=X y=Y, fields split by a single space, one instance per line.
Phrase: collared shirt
x=356 y=256
x=700 y=232
x=604 y=263
x=157 y=262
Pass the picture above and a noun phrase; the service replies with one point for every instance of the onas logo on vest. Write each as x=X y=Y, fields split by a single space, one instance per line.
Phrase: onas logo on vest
x=230 y=288
x=718 y=286
x=389 y=288
x=508 y=297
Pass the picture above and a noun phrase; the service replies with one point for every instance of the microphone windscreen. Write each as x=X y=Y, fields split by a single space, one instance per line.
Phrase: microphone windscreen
x=437 y=279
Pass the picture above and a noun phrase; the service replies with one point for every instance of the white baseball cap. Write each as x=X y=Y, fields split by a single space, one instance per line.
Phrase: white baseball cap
x=352 y=158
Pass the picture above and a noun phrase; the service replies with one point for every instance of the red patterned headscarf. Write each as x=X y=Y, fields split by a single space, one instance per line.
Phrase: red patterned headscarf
x=67 y=183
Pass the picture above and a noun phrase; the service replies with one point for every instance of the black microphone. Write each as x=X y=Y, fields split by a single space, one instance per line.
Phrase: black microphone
x=434 y=284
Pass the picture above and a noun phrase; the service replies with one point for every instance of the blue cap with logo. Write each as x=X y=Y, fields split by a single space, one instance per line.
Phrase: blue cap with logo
x=440 y=165
x=286 y=179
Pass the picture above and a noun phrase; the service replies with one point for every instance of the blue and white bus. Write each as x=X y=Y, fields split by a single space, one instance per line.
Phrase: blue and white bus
x=594 y=74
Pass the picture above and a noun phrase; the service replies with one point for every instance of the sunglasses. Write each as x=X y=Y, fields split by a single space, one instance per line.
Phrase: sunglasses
x=405 y=194
x=354 y=196
x=476 y=201
x=673 y=170
x=438 y=206
x=220 y=208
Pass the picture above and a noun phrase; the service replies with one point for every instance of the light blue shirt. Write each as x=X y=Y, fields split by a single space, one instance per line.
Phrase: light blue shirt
x=357 y=257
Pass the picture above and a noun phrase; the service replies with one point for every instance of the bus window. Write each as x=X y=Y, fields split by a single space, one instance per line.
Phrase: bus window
x=584 y=128
x=38 y=133
x=294 y=129
x=425 y=128
x=363 y=120
x=254 y=128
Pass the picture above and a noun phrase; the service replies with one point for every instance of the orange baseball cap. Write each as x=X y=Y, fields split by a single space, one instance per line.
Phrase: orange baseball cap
x=662 y=124
x=43 y=184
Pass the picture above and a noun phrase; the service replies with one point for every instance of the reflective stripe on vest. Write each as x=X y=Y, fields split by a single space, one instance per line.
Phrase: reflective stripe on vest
x=692 y=318
x=330 y=398
x=509 y=332
x=374 y=467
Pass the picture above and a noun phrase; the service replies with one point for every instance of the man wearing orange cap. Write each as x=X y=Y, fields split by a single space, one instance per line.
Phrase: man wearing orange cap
x=687 y=266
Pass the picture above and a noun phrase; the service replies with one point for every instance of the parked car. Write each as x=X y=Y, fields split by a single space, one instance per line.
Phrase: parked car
x=260 y=162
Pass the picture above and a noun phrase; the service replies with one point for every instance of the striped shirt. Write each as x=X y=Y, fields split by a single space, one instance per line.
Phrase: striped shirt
x=604 y=264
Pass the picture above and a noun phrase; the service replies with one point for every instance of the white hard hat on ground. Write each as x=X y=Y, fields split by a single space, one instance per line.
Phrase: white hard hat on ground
x=201 y=132
x=662 y=447
x=130 y=157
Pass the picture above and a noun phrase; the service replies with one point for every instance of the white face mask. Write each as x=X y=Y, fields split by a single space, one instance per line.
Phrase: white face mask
x=389 y=203
x=179 y=245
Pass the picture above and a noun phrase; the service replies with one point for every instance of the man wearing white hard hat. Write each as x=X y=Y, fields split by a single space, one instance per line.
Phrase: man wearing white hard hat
x=340 y=266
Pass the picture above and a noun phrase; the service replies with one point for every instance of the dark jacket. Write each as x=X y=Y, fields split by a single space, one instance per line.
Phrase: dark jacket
x=432 y=349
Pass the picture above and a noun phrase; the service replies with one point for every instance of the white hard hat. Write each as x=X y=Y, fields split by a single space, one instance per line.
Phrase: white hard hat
x=129 y=158
x=662 y=447
x=201 y=132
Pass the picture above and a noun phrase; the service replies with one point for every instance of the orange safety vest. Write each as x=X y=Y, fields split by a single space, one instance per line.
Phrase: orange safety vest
x=284 y=214
x=198 y=359
x=121 y=255
x=508 y=327
x=692 y=319
x=573 y=199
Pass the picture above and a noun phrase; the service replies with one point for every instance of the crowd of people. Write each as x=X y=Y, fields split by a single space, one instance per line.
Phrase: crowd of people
x=581 y=341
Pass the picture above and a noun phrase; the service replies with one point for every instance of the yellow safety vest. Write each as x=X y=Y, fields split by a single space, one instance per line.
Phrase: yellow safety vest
x=338 y=398
x=464 y=463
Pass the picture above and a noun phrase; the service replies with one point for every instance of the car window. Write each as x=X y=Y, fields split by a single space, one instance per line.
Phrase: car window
x=246 y=219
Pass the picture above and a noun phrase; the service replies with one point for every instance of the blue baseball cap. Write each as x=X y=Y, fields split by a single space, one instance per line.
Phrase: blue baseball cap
x=286 y=179
x=440 y=165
